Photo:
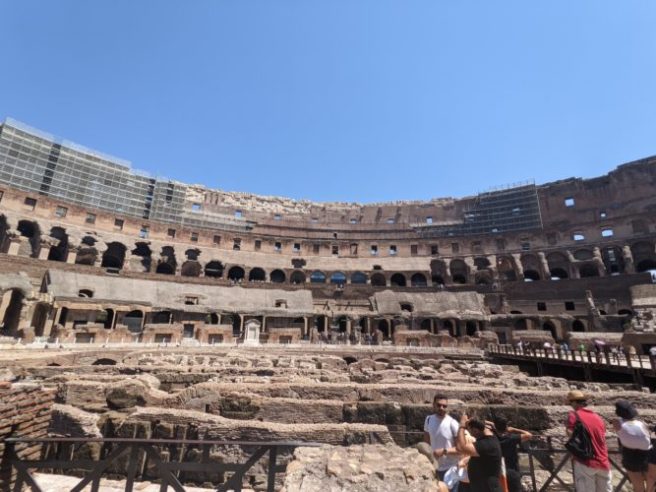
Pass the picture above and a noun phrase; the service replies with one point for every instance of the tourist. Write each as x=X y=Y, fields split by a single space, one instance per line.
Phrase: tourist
x=484 y=469
x=510 y=438
x=440 y=430
x=635 y=443
x=591 y=474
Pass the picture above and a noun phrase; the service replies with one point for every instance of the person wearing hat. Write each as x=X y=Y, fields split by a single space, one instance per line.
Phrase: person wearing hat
x=635 y=443
x=592 y=474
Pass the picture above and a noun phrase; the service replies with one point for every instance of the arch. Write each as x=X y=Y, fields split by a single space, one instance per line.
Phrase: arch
x=133 y=320
x=338 y=278
x=358 y=278
x=85 y=293
x=398 y=280
x=551 y=328
x=143 y=251
x=165 y=269
x=384 y=328
x=643 y=250
x=114 y=257
x=60 y=251
x=86 y=256
x=107 y=318
x=459 y=271
x=212 y=319
x=407 y=307
x=168 y=262
x=448 y=326
x=558 y=274
x=11 y=306
x=192 y=254
x=577 y=325
x=30 y=230
x=471 y=327
x=104 y=362
x=214 y=269
x=583 y=254
x=418 y=280
x=645 y=266
x=506 y=269
x=426 y=325
x=190 y=268
x=318 y=277
x=481 y=263
x=256 y=274
x=349 y=360
x=161 y=317
x=277 y=276
x=531 y=276
x=613 y=259
x=236 y=273
x=378 y=280
x=297 y=277
x=588 y=270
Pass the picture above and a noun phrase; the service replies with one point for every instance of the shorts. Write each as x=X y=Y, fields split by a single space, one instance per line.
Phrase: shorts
x=635 y=460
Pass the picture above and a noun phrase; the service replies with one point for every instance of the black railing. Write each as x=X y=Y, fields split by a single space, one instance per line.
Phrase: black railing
x=58 y=455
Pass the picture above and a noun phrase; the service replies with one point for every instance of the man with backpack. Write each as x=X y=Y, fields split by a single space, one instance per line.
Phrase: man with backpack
x=587 y=445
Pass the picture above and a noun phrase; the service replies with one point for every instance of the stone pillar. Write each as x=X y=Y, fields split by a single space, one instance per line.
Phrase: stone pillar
x=325 y=325
x=44 y=247
x=264 y=325
x=349 y=326
x=629 y=266
x=71 y=255
x=519 y=269
x=599 y=261
x=101 y=248
x=545 y=273
x=471 y=269
x=573 y=270
x=14 y=243
x=367 y=325
x=306 y=330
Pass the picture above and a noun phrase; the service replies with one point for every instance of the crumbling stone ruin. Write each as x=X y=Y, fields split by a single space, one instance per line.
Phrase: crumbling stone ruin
x=145 y=307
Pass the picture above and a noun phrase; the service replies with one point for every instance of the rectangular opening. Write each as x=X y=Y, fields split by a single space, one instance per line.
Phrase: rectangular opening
x=193 y=237
x=429 y=220
x=316 y=248
x=374 y=250
x=195 y=207
x=526 y=246
x=501 y=244
x=188 y=331
x=170 y=233
x=353 y=221
x=569 y=306
x=542 y=306
x=390 y=220
x=216 y=240
x=297 y=247
x=335 y=249
x=191 y=301
x=61 y=212
x=603 y=214
x=238 y=214
x=91 y=218
x=569 y=201
x=414 y=249
x=257 y=245
x=277 y=246
x=118 y=224
x=30 y=203
x=577 y=236
x=143 y=232
x=236 y=244
x=277 y=217
x=607 y=233
x=434 y=249
x=392 y=250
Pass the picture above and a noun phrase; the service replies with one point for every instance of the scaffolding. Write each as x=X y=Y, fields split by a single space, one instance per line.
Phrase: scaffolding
x=509 y=209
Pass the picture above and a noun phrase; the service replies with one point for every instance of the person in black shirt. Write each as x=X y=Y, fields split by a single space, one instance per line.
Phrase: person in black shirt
x=510 y=438
x=484 y=466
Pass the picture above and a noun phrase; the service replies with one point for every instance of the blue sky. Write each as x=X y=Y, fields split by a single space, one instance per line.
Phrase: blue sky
x=340 y=100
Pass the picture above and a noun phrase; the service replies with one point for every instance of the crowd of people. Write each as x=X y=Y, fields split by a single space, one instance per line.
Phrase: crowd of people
x=471 y=454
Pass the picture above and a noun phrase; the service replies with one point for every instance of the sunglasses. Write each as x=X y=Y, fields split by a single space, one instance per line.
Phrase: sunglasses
x=439 y=405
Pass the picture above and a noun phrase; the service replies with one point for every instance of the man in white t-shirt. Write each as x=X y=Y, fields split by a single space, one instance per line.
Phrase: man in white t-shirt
x=440 y=431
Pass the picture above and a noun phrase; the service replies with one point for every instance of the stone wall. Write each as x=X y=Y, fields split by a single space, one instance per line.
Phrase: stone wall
x=25 y=411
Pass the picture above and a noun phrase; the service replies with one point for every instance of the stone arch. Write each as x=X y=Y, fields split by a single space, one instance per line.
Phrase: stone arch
x=142 y=257
x=583 y=254
x=58 y=252
x=531 y=276
x=418 y=280
x=645 y=265
x=214 y=269
x=191 y=268
x=438 y=272
x=558 y=266
x=398 y=280
x=104 y=361
x=481 y=263
x=483 y=278
x=378 y=280
x=471 y=327
x=613 y=259
x=385 y=329
x=212 y=319
x=30 y=229
x=506 y=268
x=11 y=306
x=531 y=267
x=588 y=270
x=236 y=273
x=643 y=251
x=358 y=278
x=88 y=293
x=520 y=324
x=87 y=253
x=167 y=263
x=578 y=325
x=256 y=274
x=338 y=278
x=106 y=317
x=551 y=328
x=192 y=254
x=134 y=321
x=426 y=325
x=318 y=277
x=277 y=276
x=297 y=277
x=114 y=257
x=558 y=274
x=459 y=271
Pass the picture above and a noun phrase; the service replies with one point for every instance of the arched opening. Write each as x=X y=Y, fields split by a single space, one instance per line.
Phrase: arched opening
x=59 y=251
x=104 y=362
x=549 y=326
x=506 y=269
x=212 y=319
x=87 y=253
x=418 y=280
x=471 y=327
x=483 y=278
x=341 y=324
x=11 y=305
x=481 y=263
x=85 y=293
x=531 y=276
x=162 y=318
x=645 y=266
x=578 y=325
x=106 y=318
x=192 y=254
x=588 y=270
x=407 y=307
x=277 y=276
x=167 y=263
x=297 y=277
x=520 y=324
x=398 y=280
x=31 y=231
x=583 y=254
x=625 y=312
x=143 y=255
x=378 y=280
x=448 y=326
x=558 y=274
x=114 y=257
x=613 y=260
x=318 y=277
x=338 y=278
x=358 y=278
x=256 y=275
x=426 y=325
x=349 y=360
x=133 y=321
x=214 y=269
x=459 y=271
x=190 y=268
x=384 y=328
x=236 y=273
x=437 y=280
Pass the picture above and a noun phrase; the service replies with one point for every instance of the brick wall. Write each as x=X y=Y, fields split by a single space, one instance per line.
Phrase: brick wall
x=24 y=412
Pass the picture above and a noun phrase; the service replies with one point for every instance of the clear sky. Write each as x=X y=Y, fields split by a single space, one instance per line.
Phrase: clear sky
x=339 y=100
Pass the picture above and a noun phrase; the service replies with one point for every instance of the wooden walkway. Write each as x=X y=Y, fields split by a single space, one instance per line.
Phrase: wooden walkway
x=593 y=366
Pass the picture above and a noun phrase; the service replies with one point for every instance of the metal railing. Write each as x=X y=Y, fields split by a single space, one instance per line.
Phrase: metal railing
x=145 y=457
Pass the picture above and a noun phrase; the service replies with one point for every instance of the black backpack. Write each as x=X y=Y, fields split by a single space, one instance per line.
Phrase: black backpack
x=580 y=443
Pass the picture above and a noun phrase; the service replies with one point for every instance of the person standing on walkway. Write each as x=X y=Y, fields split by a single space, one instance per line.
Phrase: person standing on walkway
x=510 y=438
x=440 y=430
x=635 y=443
x=591 y=474
x=484 y=468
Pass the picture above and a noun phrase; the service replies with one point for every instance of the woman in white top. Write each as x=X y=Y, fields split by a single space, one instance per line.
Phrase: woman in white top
x=635 y=442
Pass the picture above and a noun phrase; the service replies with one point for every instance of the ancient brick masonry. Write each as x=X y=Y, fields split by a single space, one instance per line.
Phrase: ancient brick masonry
x=24 y=412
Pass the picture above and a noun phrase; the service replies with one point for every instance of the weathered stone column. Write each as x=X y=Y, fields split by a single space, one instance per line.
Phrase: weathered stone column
x=629 y=266
x=545 y=273
x=599 y=261
x=517 y=261
x=15 y=240
x=573 y=270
